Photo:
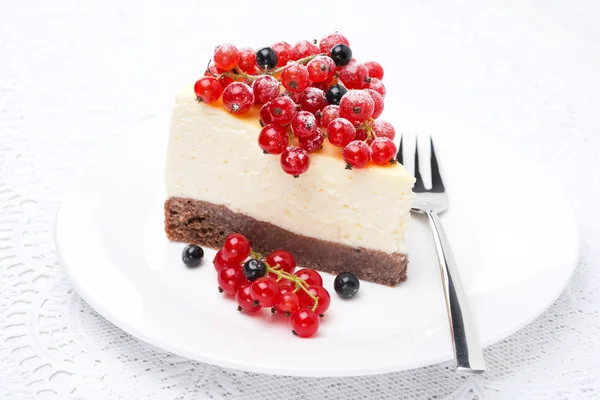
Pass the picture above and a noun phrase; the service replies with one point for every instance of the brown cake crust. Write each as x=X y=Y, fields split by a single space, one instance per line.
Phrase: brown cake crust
x=207 y=224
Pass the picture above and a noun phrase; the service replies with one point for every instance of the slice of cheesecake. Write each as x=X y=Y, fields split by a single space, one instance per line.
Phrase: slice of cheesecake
x=332 y=219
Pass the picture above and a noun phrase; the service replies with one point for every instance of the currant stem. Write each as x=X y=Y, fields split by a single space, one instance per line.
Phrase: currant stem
x=304 y=60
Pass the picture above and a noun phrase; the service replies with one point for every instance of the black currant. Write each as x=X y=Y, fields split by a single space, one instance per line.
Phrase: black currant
x=254 y=269
x=341 y=54
x=266 y=58
x=346 y=285
x=192 y=255
x=335 y=93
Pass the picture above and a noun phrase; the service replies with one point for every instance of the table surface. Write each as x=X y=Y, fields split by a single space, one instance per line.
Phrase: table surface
x=74 y=75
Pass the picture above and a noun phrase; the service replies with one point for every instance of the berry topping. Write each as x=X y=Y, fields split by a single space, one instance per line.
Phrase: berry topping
x=383 y=129
x=294 y=77
x=265 y=115
x=356 y=106
x=284 y=51
x=320 y=85
x=341 y=55
x=264 y=291
x=313 y=143
x=219 y=262
x=238 y=98
x=254 y=269
x=376 y=85
x=245 y=300
x=305 y=322
x=284 y=259
x=375 y=69
x=287 y=301
x=208 y=89
x=329 y=41
x=335 y=93
x=192 y=255
x=310 y=276
x=304 y=49
x=320 y=293
x=304 y=124
x=346 y=285
x=328 y=114
x=265 y=89
x=312 y=100
x=341 y=132
x=247 y=61
x=282 y=110
x=266 y=58
x=354 y=76
x=383 y=150
x=236 y=248
x=230 y=279
x=273 y=139
x=319 y=68
x=361 y=133
x=295 y=161
x=226 y=56
x=377 y=102
x=356 y=154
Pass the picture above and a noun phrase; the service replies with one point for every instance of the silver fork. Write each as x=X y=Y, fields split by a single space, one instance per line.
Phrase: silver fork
x=468 y=355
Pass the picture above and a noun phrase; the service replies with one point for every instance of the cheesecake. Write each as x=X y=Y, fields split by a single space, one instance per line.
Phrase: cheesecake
x=332 y=217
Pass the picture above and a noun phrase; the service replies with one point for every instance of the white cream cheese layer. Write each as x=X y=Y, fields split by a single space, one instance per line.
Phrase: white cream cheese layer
x=214 y=156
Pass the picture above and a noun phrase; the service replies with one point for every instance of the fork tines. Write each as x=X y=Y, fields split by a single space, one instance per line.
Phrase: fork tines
x=437 y=185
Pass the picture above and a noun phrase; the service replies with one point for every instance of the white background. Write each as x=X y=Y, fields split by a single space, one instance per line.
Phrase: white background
x=74 y=75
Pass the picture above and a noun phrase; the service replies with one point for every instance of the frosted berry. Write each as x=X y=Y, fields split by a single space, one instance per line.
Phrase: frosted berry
x=320 y=85
x=295 y=161
x=265 y=89
x=238 y=98
x=356 y=154
x=356 y=106
x=376 y=85
x=354 y=76
x=329 y=41
x=375 y=69
x=226 y=56
x=304 y=124
x=282 y=110
x=266 y=58
x=312 y=143
x=383 y=129
x=304 y=49
x=305 y=322
x=247 y=61
x=236 y=248
x=292 y=95
x=284 y=259
x=273 y=139
x=208 y=89
x=341 y=55
x=377 y=102
x=265 y=115
x=245 y=300
x=284 y=51
x=383 y=150
x=213 y=70
x=294 y=77
x=192 y=255
x=335 y=93
x=361 y=133
x=312 y=100
x=340 y=132
x=328 y=114
x=319 y=68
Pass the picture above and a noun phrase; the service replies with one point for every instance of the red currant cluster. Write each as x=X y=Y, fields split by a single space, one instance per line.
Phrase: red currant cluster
x=271 y=282
x=326 y=94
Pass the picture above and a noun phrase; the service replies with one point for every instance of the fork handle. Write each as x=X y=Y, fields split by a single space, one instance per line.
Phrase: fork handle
x=468 y=354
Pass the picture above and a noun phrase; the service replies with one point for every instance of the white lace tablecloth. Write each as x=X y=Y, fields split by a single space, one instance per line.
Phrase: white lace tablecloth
x=75 y=74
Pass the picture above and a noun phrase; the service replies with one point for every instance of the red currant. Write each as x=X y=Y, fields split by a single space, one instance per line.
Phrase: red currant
x=310 y=276
x=328 y=114
x=375 y=69
x=245 y=300
x=284 y=259
x=247 y=60
x=213 y=70
x=304 y=124
x=226 y=56
x=287 y=302
x=294 y=77
x=208 y=89
x=319 y=292
x=354 y=76
x=320 y=85
x=383 y=129
x=264 y=290
x=340 y=132
x=361 y=133
x=273 y=139
x=236 y=248
x=356 y=106
x=329 y=41
x=265 y=89
x=313 y=143
x=377 y=102
x=357 y=154
x=295 y=161
x=282 y=110
x=376 y=85
x=312 y=100
x=285 y=53
x=305 y=322
x=220 y=262
x=383 y=150
x=238 y=98
x=319 y=68
x=230 y=279
x=305 y=49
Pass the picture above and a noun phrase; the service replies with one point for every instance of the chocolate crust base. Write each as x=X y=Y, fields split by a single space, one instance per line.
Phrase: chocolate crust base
x=207 y=224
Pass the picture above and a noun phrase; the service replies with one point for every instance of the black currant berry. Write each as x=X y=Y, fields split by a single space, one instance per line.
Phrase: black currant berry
x=341 y=54
x=346 y=285
x=335 y=93
x=192 y=255
x=266 y=58
x=254 y=269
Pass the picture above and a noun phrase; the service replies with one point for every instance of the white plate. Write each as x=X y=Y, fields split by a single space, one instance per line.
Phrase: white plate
x=513 y=234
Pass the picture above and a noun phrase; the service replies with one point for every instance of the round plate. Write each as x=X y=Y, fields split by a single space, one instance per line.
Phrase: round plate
x=513 y=234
